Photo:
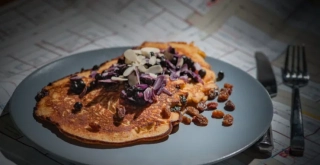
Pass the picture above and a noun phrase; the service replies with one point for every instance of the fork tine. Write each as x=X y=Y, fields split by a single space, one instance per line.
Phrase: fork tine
x=299 y=54
x=292 y=59
x=304 y=61
x=286 y=60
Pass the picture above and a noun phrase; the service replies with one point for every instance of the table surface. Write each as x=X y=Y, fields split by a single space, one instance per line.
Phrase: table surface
x=34 y=33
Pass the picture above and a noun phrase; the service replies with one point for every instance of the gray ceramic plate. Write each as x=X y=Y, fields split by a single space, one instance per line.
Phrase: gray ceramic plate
x=190 y=145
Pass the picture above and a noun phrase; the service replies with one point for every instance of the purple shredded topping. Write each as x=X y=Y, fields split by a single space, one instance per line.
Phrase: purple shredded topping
x=166 y=91
x=106 y=81
x=149 y=95
x=159 y=91
x=159 y=81
x=184 y=68
x=76 y=78
x=142 y=86
x=174 y=75
x=93 y=74
x=184 y=78
x=170 y=64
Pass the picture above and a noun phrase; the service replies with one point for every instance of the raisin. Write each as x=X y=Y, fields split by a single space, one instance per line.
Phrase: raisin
x=227 y=85
x=200 y=120
x=165 y=113
x=212 y=105
x=186 y=120
x=227 y=120
x=121 y=111
x=201 y=106
x=223 y=96
x=217 y=114
x=192 y=111
x=49 y=84
x=229 y=106
x=94 y=127
x=212 y=94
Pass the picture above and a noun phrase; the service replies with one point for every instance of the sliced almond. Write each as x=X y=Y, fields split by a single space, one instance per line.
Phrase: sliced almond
x=146 y=51
x=153 y=75
x=160 y=54
x=132 y=79
x=137 y=51
x=142 y=68
x=130 y=55
x=141 y=60
x=128 y=71
x=119 y=79
x=154 y=69
x=152 y=60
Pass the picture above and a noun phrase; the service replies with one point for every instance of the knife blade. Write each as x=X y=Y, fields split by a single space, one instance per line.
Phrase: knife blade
x=266 y=77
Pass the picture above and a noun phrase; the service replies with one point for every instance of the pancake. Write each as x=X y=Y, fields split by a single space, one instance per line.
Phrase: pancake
x=131 y=99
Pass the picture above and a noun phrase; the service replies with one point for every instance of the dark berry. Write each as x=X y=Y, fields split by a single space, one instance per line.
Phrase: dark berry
x=41 y=94
x=92 y=85
x=77 y=86
x=163 y=63
x=77 y=107
x=130 y=91
x=98 y=76
x=121 y=60
x=220 y=75
x=174 y=60
x=95 y=67
x=50 y=83
x=202 y=73
x=168 y=71
x=151 y=53
x=171 y=50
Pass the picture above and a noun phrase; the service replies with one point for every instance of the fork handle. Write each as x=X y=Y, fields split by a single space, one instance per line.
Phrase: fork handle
x=297 y=133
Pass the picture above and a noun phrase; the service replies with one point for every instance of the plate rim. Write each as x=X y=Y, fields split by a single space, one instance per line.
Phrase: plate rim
x=232 y=154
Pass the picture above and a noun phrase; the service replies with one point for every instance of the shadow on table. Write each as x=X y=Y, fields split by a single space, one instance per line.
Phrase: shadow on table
x=247 y=156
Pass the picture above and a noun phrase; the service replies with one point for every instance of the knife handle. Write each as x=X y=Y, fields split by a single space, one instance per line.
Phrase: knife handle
x=297 y=133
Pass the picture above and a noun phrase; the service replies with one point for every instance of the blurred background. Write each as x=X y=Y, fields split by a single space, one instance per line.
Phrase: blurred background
x=36 y=32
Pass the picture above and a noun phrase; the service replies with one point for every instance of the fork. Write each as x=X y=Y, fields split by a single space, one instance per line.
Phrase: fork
x=296 y=77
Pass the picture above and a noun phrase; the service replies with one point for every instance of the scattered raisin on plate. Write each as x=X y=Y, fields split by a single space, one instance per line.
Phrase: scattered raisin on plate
x=223 y=96
x=217 y=114
x=212 y=106
x=200 y=120
x=229 y=106
x=201 y=106
x=227 y=120
x=186 y=120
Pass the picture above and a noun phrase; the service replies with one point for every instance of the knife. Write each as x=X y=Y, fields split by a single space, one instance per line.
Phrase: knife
x=266 y=77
